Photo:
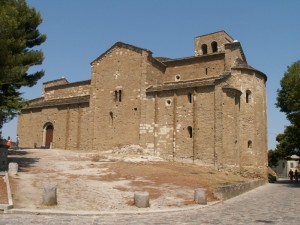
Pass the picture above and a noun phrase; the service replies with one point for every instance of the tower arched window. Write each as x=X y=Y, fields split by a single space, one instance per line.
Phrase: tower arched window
x=204 y=49
x=214 y=46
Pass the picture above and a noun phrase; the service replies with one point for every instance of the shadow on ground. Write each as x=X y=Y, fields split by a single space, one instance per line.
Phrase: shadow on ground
x=288 y=183
x=23 y=162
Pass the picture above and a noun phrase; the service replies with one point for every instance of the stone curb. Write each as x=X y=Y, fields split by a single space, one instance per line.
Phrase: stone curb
x=232 y=190
x=97 y=213
x=10 y=204
x=223 y=193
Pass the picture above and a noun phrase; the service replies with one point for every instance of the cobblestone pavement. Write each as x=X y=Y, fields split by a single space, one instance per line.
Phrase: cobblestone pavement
x=277 y=203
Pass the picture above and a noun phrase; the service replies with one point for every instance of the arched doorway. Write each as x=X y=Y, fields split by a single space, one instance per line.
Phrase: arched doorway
x=48 y=135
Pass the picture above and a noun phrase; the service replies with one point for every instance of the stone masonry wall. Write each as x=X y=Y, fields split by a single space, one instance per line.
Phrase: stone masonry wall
x=117 y=80
x=210 y=66
x=204 y=125
x=67 y=91
x=249 y=138
x=209 y=109
x=70 y=127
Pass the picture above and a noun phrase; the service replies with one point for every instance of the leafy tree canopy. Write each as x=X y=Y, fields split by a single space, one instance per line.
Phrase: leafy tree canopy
x=18 y=37
x=288 y=100
x=288 y=142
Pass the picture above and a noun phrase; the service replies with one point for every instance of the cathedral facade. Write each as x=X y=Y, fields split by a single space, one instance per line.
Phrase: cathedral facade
x=208 y=109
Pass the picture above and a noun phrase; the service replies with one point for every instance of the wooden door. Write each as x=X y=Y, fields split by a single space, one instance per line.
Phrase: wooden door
x=49 y=136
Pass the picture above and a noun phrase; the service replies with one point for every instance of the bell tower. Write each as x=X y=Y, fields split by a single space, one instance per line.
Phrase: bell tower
x=211 y=43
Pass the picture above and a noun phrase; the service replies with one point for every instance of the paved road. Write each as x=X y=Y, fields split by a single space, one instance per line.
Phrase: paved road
x=277 y=203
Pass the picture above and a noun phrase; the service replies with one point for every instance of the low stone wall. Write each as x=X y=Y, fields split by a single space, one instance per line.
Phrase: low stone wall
x=232 y=190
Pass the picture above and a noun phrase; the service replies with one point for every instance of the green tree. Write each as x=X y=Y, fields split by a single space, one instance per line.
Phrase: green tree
x=273 y=157
x=288 y=100
x=18 y=38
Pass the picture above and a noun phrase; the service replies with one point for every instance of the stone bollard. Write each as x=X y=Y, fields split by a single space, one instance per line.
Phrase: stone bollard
x=200 y=196
x=49 y=195
x=141 y=199
x=13 y=168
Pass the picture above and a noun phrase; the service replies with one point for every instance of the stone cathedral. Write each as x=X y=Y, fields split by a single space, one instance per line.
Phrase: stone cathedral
x=209 y=108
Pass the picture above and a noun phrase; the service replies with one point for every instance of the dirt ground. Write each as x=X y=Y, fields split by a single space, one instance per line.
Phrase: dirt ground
x=106 y=181
x=3 y=192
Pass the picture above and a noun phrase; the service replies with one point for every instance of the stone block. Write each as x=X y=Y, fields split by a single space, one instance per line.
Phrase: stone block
x=200 y=196
x=50 y=195
x=13 y=168
x=141 y=199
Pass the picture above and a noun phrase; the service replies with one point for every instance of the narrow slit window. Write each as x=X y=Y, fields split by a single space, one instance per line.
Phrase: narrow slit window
x=116 y=95
x=190 y=97
x=111 y=114
x=248 y=96
x=120 y=95
x=190 y=130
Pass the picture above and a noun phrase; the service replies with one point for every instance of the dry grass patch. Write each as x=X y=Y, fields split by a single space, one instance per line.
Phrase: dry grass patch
x=169 y=175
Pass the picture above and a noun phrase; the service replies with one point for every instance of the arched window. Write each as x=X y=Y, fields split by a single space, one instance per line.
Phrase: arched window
x=249 y=144
x=204 y=49
x=248 y=96
x=214 y=46
x=118 y=95
x=190 y=97
x=190 y=130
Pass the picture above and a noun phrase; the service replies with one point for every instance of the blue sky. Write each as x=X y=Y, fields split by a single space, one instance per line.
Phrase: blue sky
x=79 y=31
